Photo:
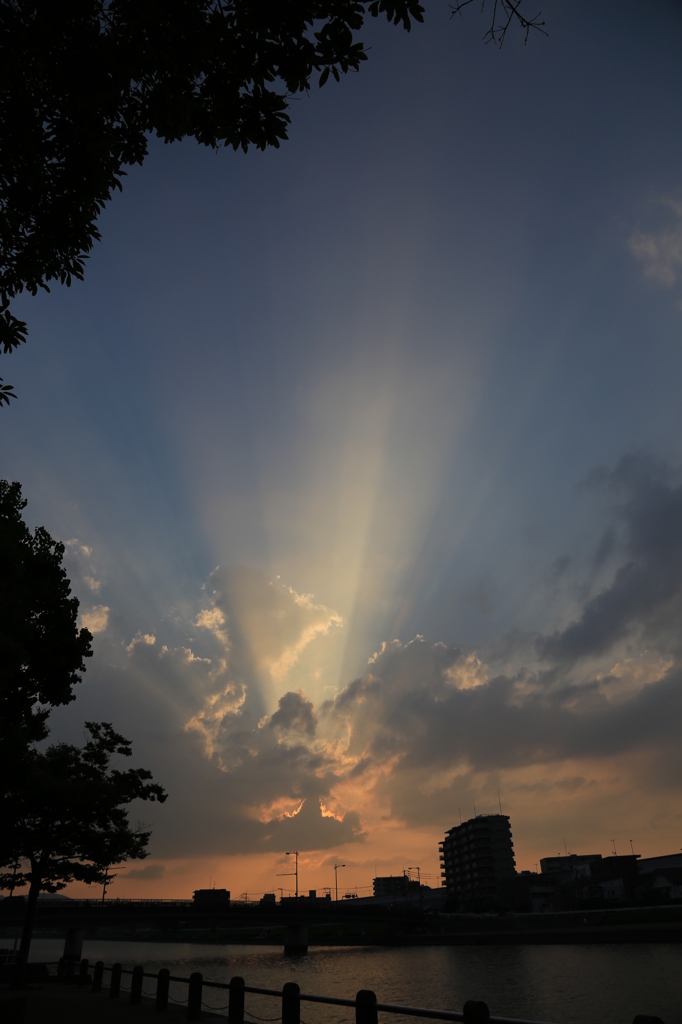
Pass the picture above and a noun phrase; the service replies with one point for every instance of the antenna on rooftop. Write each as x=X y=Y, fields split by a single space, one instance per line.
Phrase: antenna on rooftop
x=565 y=850
x=499 y=801
x=474 y=808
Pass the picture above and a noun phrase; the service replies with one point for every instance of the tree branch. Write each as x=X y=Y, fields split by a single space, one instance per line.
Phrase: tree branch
x=505 y=12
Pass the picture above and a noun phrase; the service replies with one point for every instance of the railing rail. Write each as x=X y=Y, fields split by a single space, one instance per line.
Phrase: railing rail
x=365 y=1002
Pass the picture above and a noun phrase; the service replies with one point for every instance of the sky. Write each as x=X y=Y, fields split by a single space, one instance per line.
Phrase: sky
x=366 y=454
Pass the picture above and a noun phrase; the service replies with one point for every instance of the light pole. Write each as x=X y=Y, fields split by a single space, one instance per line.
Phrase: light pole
x=289 y=853
x=336 y=879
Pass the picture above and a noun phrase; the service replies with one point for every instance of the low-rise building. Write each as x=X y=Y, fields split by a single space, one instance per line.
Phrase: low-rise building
x=211 y=897
x=394 y=885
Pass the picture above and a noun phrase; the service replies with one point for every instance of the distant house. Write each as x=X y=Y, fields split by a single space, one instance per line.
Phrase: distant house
x=661 y=886
x=397 y=886
x=647 y=865
x=211 y=897
x=574 y=865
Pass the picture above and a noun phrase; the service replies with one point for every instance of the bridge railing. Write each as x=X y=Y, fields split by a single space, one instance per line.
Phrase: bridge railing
x=290 y=998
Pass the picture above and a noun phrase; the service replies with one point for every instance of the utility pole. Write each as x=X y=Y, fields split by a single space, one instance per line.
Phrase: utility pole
x=295 y=852
x=336 y=879
x=104 y=887
x=281 y=874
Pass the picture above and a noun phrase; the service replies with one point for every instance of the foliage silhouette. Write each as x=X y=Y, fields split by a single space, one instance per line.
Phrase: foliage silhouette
x=6 y=392
x=505 y=13
x=42 y=650
x=65 y=818
x=83 y=83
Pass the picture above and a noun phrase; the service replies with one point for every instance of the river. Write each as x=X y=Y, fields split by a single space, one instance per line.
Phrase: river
x=600 y=984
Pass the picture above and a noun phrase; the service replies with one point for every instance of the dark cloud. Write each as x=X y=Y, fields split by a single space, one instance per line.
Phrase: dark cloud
x=147 y=874
x=294 y=712
x=426 y=719
x=421 y=721
x=558 y=568
x=646 y=593
x=608 y=684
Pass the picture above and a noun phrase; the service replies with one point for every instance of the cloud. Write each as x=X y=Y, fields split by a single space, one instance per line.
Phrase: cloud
x=148 y=873
x=426 y=719
x=645 y=596
x=141 y=638
x=294 y=712
x=213 y=620
x=262 y=627
x=96 y=619
x=79 y=562
x=270 y=623
x=660 y=251
x=585 y=711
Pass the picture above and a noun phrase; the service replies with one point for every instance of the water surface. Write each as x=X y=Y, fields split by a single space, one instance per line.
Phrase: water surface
x=600 y=984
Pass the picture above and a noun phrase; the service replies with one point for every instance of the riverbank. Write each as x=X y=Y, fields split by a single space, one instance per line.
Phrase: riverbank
x=67 y=1004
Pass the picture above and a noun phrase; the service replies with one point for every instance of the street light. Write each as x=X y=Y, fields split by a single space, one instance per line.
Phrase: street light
x=289 y=853
x=336 y=879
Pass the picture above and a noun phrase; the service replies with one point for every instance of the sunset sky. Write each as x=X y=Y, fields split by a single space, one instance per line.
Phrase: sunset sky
x=366 y=453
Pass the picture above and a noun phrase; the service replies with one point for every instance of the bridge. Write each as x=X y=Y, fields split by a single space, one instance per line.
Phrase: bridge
x=357 y=922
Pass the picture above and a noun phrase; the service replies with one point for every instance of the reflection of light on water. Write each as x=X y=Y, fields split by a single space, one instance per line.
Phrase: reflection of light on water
x=564 y=984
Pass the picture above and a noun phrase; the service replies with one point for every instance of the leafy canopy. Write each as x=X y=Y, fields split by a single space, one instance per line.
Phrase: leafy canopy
x=66 y=818
x=83 y=83
x=42 y=650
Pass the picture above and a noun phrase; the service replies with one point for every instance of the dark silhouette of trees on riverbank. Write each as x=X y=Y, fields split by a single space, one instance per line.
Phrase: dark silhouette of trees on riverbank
x=65 y=818
x=42 y=650
x=64 y=809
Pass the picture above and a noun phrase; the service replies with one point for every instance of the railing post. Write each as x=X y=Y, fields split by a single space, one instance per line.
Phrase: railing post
x=115 y=986
x=235 y=1013
x=83 y=973
x=136 y=985
x=365 y=1007
x=475 y=1012
x=194 y=996
x=291 y=1003
x=97 y=976
x=162 y=986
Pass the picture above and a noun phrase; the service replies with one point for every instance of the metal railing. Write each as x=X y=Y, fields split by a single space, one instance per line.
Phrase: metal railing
x=290 y=996
x=365 y=1002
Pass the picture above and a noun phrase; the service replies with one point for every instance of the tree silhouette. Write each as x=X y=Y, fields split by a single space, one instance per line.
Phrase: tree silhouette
x=64 y=818
x=83 y=83
x=42 y=650
x=63 y=810
x=505 y=13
